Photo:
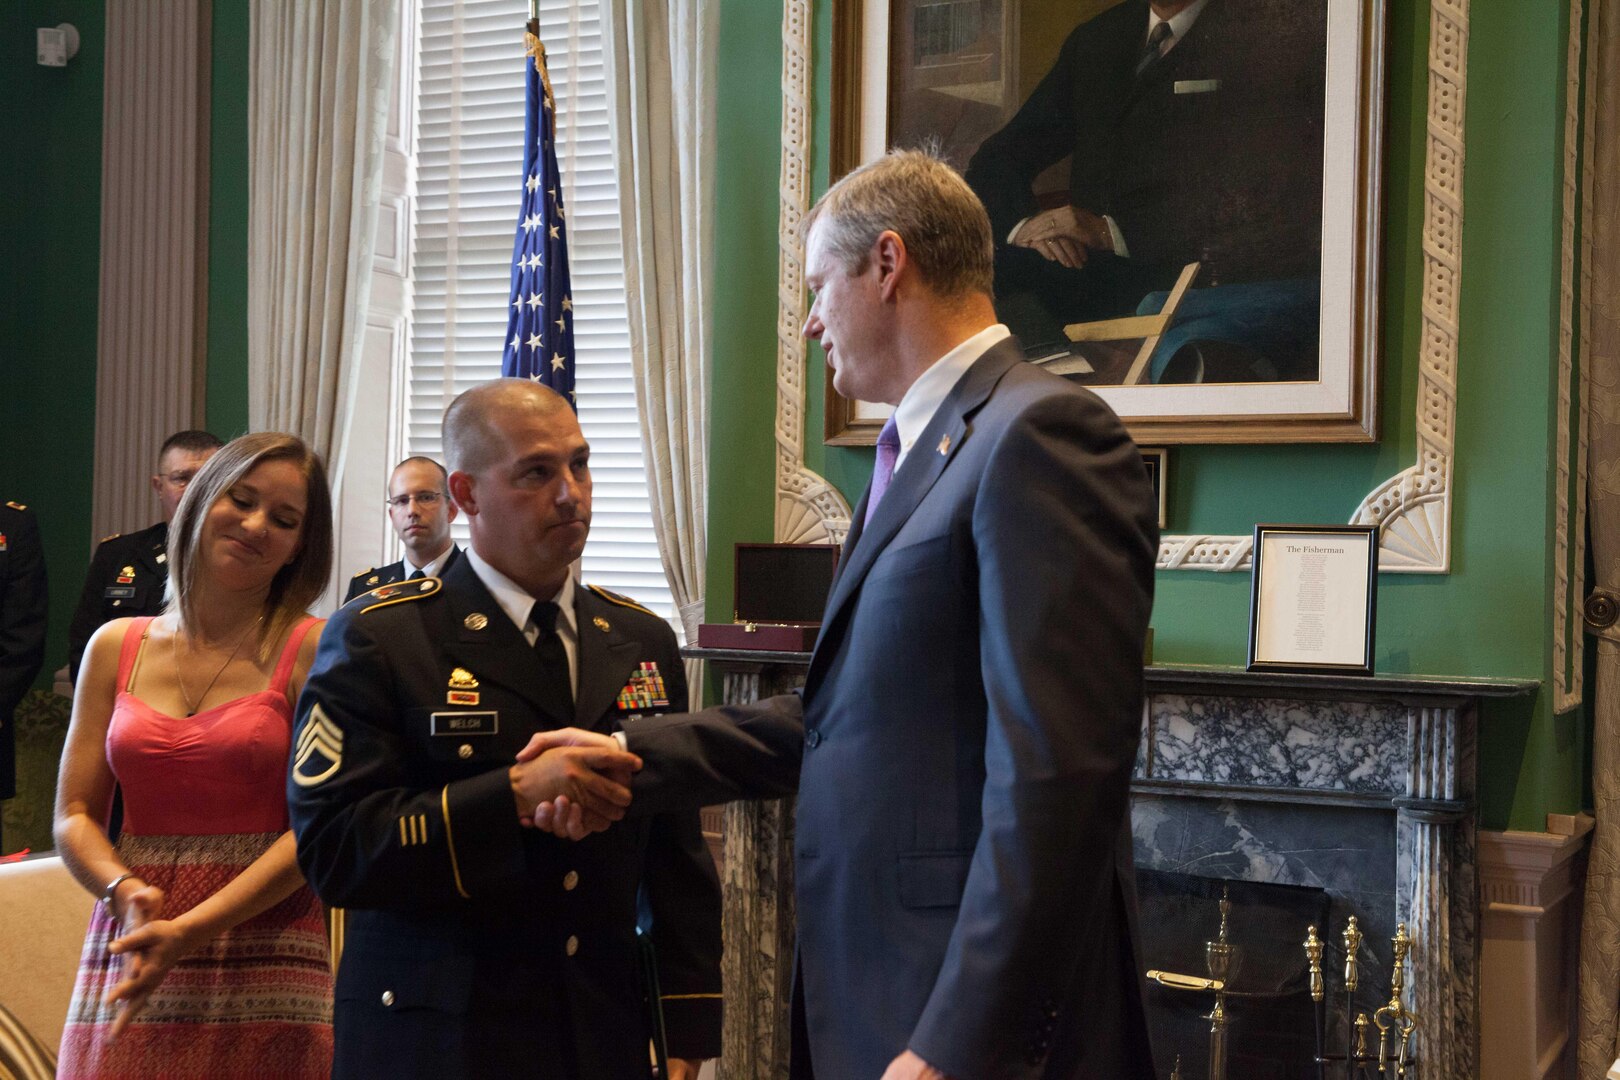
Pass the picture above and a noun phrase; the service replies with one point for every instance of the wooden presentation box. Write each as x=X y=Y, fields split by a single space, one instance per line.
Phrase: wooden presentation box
x=781 y=590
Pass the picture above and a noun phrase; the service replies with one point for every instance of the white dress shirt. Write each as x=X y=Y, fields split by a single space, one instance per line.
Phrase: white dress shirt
x=924 y=397
x=518 y=605
x=434 y=568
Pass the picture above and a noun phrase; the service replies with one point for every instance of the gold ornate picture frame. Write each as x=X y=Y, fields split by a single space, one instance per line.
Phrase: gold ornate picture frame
x=875 y=104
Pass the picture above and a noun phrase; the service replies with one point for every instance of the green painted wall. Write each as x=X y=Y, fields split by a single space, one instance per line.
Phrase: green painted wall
x=1490 y=615
x=227 y=223
x=50 y=222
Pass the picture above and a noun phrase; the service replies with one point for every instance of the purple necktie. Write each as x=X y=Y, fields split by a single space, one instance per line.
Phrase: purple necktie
x=888 y=452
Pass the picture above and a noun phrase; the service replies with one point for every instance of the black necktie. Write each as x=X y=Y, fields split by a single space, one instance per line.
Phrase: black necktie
x=417 y=574
x=548 y=647
x=1150 y=52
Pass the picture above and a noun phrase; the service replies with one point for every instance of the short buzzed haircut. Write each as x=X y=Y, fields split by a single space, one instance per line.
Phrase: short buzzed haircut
x=927 y=203
x=419 y=459
x=192 y=441
x=471 y=441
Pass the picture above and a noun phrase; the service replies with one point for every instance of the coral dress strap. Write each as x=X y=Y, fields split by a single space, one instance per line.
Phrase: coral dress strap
x=289 y=655
x=134 y=634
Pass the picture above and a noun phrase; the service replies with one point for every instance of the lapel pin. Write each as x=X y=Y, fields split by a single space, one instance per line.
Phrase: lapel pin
x=462 y=679
x=126 y=575
x=475 y=621
x=601 y=624
x=373 y=579
x=424 y=586
x=162 y=558
x=944 y=445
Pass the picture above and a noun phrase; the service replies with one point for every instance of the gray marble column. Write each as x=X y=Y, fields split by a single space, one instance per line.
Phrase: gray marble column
x=757 y=915
x=1435 y=849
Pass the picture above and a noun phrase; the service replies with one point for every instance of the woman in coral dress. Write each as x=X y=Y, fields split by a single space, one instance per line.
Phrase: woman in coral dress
x=207 y=956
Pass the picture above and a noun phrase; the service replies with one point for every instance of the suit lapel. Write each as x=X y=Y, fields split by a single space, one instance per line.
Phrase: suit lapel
x=607 y=656
x=927 y=460
x=484 y=641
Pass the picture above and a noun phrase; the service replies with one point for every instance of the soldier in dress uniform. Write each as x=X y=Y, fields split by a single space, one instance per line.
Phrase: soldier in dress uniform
x=474 y=946
x=22 y=627
x=420 y=510
x=129 y=571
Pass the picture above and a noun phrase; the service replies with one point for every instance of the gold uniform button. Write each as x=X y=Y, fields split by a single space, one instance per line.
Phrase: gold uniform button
x=573 y=945
x=388 y=997
x=465 y=751
x=570 y=881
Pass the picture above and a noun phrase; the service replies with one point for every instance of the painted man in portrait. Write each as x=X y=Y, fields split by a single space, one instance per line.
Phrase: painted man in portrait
x=1192 y=131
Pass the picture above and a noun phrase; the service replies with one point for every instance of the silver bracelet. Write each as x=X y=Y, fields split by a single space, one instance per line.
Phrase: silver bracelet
x=112 y=887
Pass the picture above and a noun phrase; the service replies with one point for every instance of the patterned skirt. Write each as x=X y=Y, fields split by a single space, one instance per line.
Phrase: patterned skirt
x=255 y=1001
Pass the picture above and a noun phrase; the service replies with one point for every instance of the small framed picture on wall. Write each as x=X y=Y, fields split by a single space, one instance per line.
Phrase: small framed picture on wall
x=1157 y=461
x=1313 y=599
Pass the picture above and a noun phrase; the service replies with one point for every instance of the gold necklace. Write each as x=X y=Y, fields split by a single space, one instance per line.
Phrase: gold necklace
x=174 y=649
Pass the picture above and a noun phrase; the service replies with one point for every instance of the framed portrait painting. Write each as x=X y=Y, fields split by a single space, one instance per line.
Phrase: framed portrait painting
x=1183 y=194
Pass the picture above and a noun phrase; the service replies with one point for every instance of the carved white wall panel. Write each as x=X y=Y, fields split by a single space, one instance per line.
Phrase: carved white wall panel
x=1569 y=569
x=808 y=509
x=152 y=319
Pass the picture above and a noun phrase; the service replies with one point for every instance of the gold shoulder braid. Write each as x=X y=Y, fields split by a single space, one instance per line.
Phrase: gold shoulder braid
x=399 y=593
x=622 y=601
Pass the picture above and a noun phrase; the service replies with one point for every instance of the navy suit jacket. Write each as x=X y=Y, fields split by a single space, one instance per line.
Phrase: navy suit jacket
x=962 y=749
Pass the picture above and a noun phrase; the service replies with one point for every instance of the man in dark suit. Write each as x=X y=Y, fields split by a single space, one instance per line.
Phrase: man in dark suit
x=965 y=735
x=420 y=510
x=472 y=946
x=22 y=628
x=1194 y=132
x=129 y=571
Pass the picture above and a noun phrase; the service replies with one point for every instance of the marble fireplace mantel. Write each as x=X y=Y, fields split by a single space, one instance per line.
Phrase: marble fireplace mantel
x=1225 y=752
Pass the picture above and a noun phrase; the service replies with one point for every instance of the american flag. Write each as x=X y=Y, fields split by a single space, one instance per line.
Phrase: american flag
x=540 y=325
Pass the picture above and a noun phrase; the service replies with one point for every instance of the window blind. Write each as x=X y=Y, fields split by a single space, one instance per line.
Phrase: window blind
x=469 y=156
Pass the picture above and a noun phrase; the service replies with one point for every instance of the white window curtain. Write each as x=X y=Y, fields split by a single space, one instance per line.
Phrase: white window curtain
x=660 y=75
x=319 y=77
x=469 y=164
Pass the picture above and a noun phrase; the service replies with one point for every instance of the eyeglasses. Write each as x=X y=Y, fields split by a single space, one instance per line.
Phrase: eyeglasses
x=421 y=498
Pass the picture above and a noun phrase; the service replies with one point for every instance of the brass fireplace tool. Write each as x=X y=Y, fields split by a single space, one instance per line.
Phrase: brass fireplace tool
x=1221 y=959
x=1396 y=1024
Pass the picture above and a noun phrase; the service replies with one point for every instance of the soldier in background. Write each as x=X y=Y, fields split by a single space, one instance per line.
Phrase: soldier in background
x=129 y=571
x=22 y=628
x=420 y=510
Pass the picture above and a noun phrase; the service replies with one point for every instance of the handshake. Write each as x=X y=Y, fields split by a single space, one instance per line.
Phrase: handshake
x=571 y=783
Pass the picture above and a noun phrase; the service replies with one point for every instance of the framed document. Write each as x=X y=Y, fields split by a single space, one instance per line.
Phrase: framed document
x=1313 y=598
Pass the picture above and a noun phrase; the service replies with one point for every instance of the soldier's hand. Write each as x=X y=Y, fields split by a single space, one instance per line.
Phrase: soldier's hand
x=562 y=819
x=594 y=777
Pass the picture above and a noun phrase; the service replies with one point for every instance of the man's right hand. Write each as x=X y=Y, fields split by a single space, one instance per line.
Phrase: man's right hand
x=586 y=769
x=1065 y=234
